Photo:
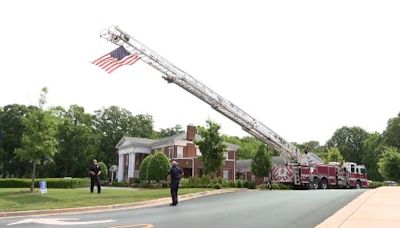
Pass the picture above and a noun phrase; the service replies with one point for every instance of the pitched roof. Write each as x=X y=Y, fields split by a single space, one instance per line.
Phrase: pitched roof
x=243 y=165
x=126 y=141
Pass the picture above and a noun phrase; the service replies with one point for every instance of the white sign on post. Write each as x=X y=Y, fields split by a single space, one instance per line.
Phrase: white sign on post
x=43 y=186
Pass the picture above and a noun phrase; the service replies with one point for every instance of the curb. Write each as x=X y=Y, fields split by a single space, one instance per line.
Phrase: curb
x=342 y=215
x=125 y=206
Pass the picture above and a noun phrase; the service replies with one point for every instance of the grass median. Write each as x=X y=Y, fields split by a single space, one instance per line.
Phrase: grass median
x=19 y=199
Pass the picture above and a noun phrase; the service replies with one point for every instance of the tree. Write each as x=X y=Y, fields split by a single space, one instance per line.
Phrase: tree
x=78 y=141
x=262 y=163
x=248 y=147
x=169 y=131
x=350 y=142
x=212 y=147
x=113 y=123
x=39 y=138
x=334 y=155
x=373 y=151
x=11 y=129
x=158 y=167
x=389 y=164
x=143 y=175
x=391 y=135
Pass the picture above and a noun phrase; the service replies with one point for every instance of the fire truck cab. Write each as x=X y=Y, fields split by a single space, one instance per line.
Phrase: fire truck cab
x=335 y=175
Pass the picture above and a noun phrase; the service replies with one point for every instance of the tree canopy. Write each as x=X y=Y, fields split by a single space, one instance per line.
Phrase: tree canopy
x=262 y=163
x=212 y=147
x=350 y=142
x=334 y=155
x=389 y=164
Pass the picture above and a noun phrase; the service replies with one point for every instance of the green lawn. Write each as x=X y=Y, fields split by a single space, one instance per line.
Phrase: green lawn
x=19 y=199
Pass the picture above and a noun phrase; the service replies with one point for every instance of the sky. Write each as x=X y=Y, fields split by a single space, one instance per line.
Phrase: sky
x=303 y=68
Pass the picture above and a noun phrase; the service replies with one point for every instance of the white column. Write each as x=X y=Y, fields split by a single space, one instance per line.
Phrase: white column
x=120 y=172
x=131 y=167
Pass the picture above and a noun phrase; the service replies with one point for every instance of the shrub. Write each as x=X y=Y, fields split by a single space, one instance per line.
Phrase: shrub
x=205 y=180
x=375 y=184
x=275 y=186
x=217 y=186
x=239 y=183
x=143 y=168
x=262 y=186
x=158 y=167
x=251 y=184
x=104 y=171
x=280 y=186
x=231 y=184
x=51 y=182
x=119 y=184
x=184 y=183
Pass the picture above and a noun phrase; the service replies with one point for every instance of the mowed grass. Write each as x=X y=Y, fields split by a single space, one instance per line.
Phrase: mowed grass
x=19 y=199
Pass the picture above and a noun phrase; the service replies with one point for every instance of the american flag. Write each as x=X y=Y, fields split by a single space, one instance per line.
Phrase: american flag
x=115 y=59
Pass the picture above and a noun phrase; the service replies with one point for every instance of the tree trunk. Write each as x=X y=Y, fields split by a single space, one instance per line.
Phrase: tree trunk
x=33 y=176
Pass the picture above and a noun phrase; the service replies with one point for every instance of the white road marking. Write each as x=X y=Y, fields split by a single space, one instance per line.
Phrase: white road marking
x=59 y=221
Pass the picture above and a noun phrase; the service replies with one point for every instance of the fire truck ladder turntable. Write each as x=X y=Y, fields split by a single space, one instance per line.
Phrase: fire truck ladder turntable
x=173 y=74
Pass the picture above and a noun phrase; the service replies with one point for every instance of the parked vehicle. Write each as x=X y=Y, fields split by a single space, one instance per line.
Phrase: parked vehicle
x=322 y=176
x=389 y=183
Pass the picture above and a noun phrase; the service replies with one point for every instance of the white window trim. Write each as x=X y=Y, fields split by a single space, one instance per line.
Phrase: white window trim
x=226 y=155
x=179 y=152
x=227 y=174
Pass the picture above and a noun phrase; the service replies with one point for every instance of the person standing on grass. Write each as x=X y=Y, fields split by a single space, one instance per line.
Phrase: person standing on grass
x=175 y=174
x=94 y=173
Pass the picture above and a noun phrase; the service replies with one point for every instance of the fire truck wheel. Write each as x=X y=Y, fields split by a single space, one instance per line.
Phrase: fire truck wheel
x=315 y=183
x=323 y=184
x=358 y=184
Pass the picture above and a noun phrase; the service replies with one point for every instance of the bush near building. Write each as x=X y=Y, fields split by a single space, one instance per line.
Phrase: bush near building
x=143 y=168
x=154 y=168
x=159 y=167
x=104 y=171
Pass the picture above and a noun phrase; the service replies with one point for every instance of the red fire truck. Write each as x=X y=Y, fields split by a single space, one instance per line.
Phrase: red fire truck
x=321 y=176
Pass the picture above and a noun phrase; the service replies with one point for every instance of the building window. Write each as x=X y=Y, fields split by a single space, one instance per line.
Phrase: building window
x=225 y=174
x=179 y=152
x=170 y=152
x=226 y=155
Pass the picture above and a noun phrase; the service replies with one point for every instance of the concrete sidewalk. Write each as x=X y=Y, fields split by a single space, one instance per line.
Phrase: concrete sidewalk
x=375 y=208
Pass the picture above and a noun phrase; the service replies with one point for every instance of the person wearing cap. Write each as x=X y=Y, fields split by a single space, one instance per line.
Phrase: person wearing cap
x=175 y=174
x=94 y=173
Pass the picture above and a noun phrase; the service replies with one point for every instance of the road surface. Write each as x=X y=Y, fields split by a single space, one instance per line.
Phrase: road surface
x=241 y=209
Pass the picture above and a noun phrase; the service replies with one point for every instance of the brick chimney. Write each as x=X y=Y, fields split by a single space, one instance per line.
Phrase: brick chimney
x=190 y=132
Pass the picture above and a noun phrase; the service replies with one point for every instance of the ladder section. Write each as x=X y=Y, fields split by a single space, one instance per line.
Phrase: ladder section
x=173 y=74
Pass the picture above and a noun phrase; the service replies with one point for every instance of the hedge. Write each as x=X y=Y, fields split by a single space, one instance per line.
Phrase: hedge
x=51 y=182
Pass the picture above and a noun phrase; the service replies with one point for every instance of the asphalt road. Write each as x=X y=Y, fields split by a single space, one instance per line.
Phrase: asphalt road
x=241 y=209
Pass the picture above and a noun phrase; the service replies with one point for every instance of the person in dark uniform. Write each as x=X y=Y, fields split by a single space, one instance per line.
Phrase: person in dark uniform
x=175 y=174
x=94 y=173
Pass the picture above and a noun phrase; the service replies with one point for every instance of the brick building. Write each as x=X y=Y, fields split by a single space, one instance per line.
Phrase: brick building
x=180 y=147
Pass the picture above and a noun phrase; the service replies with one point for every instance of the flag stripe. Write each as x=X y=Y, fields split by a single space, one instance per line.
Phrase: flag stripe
x=116 y=59
x=126 y=62
x=116 y=67
x=121 y=62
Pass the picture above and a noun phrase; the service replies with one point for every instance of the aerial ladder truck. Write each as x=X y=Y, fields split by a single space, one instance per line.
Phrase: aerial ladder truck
x=299 y=163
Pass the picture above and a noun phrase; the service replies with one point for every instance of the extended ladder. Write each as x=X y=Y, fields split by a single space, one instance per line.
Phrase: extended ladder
x=173 y=74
